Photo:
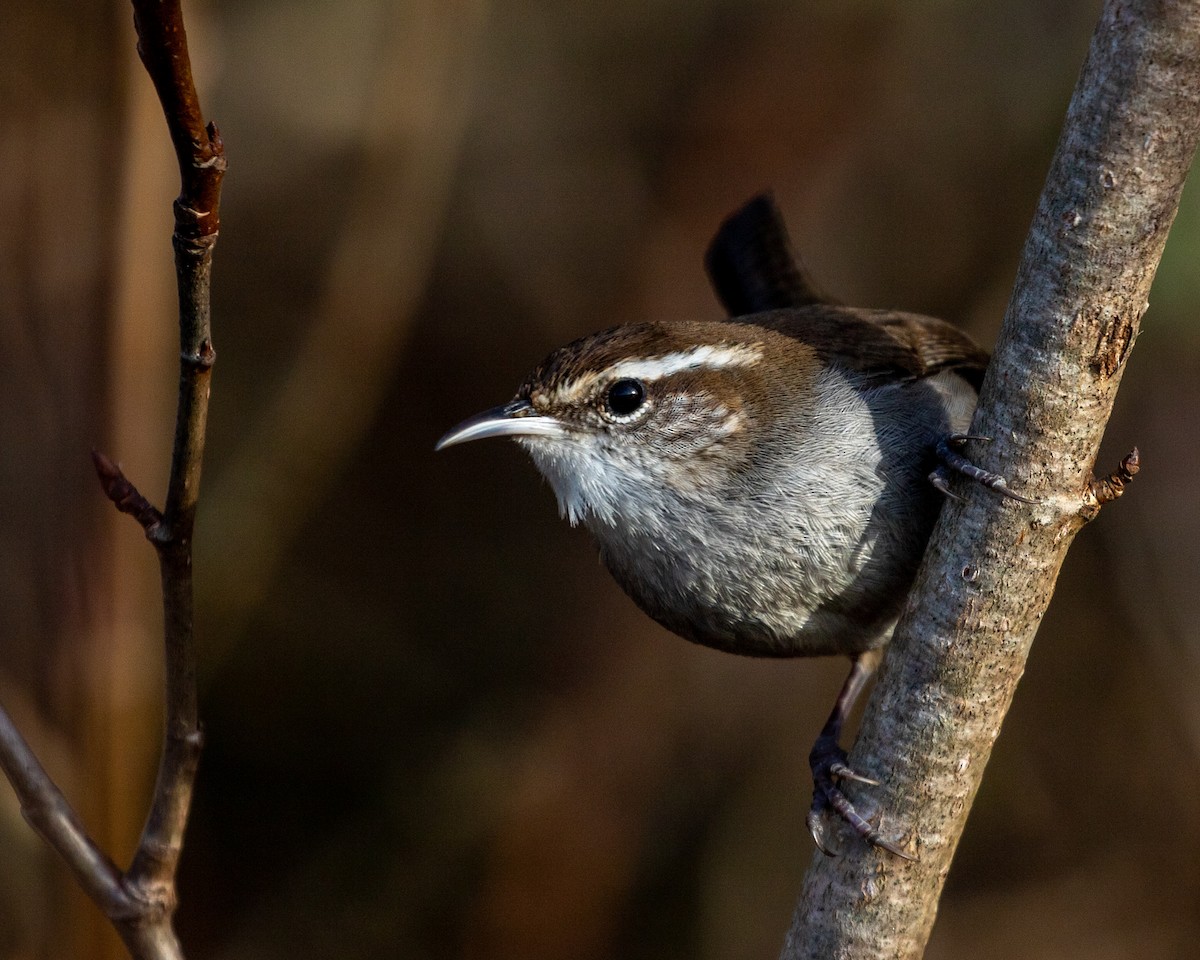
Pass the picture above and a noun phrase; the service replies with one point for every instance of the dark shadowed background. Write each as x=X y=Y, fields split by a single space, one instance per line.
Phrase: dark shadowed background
x=435 y=728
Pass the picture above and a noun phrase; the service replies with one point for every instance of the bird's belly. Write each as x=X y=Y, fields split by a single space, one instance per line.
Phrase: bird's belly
x=781 y=593
x=813 y=555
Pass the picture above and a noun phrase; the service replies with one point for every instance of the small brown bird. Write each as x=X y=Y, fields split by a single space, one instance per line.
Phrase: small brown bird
x=763 y=484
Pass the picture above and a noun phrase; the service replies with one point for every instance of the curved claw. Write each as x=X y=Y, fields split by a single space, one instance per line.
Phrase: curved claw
x=960 y=439
x=842 y=772
x=951 y=459
x=816 y=827
x=1002 y=488
x=941 y=483
x=828 y=762
x=827 y=796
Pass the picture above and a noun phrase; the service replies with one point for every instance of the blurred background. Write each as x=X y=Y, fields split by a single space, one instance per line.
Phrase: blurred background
x=435 y=728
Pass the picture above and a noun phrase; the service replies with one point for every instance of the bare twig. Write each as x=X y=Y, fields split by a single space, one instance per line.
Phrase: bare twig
x=162 y=45
x=961 y=646
x=48 y=812
x=140 y=903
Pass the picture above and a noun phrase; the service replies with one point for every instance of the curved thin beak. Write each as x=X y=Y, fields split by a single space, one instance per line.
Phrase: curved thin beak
x=515 y=419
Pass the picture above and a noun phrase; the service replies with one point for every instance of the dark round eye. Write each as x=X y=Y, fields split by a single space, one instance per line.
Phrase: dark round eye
x=624 y=397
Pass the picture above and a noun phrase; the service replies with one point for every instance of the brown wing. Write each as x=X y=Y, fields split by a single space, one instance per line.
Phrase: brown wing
x=879 y=343
x=759 y=280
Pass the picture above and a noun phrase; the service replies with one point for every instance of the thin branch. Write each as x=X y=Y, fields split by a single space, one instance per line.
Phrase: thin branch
x=162 y=45
x=48 y=812
x=1085 y=275
x=140 y=904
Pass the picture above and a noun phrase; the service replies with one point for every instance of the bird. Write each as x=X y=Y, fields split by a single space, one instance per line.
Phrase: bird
x=764 y=484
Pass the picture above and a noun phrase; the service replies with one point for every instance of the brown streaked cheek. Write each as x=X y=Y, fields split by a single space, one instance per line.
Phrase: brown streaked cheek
x=692 y=425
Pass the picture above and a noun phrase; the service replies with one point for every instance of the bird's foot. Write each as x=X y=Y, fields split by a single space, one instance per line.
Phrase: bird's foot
x=828 y=763
x=951 y=459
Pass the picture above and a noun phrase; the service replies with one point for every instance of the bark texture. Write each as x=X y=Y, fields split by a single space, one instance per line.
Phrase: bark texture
x=960 y=649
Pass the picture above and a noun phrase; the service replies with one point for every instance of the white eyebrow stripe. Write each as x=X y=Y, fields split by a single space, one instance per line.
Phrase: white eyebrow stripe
x=704 y=357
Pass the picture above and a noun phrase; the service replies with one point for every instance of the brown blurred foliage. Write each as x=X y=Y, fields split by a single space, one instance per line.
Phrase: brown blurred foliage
x=435 y=728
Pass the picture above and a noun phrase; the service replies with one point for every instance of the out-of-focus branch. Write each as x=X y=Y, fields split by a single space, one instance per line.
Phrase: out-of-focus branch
x=141 y=902
x=48 y=812
x=1111 y=196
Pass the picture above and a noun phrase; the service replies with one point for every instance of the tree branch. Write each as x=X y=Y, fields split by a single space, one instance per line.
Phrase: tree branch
x=1082 y=287
x=141 y=902
x=162 y=45
x=48 y=812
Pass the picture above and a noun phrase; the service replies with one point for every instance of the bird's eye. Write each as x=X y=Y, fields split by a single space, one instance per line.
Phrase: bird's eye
x=625 y=397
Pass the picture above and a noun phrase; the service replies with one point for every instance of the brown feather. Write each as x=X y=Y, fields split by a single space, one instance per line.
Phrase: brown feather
x=879 y=343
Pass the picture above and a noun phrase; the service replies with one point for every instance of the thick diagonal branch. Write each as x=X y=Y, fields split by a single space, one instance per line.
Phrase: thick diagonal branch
x=961 y=646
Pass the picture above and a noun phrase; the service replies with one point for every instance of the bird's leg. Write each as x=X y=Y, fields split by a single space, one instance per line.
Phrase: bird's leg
x=951 y=459
x=828 y=762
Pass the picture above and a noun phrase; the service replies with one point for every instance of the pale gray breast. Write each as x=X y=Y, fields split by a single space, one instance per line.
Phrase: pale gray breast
x=813 y=550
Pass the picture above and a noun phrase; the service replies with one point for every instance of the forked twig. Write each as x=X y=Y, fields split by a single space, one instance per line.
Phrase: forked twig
x=141 y=901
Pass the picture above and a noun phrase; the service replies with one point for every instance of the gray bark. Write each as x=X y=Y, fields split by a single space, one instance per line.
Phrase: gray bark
x=961 y=646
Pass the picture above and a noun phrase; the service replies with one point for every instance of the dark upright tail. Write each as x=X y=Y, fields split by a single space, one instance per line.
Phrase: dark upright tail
x=751 y=264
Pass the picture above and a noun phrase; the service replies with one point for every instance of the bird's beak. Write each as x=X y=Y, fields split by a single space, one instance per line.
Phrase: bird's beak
x=515 y=419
